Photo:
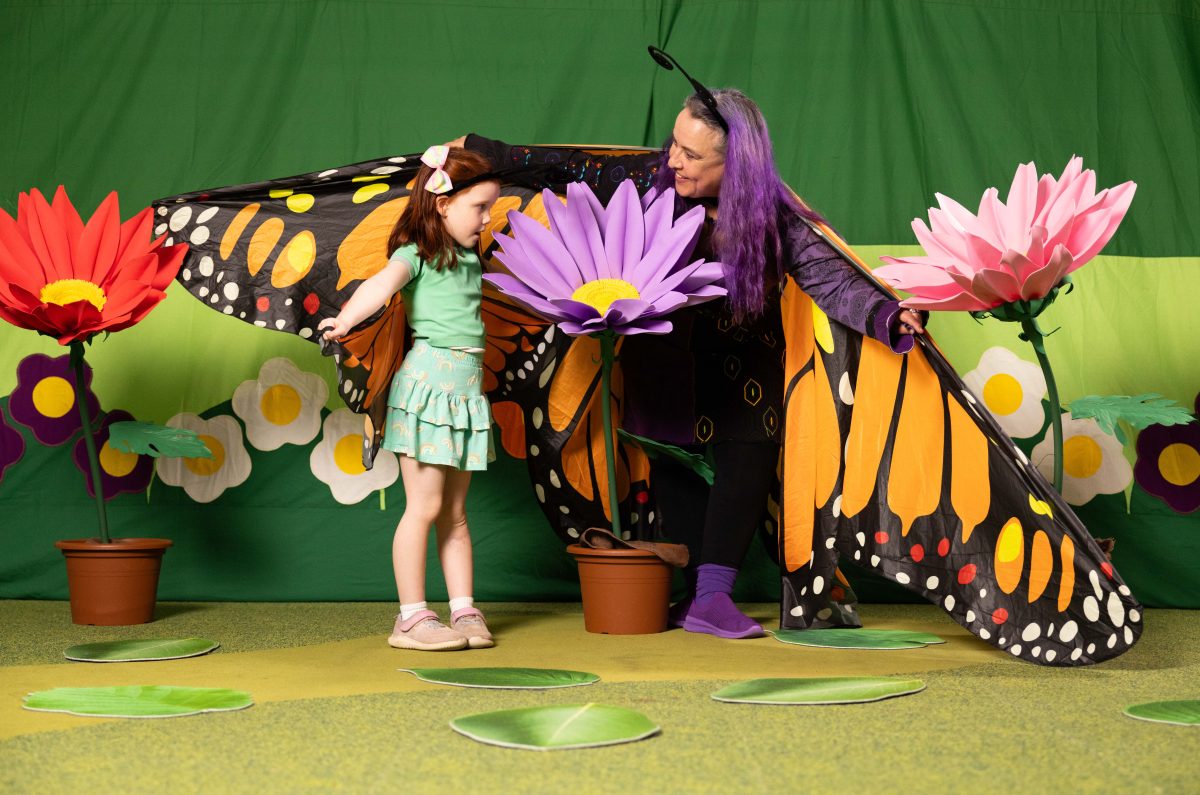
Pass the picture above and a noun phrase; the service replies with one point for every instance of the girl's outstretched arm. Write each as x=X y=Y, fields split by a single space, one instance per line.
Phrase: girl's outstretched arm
x=368 y=298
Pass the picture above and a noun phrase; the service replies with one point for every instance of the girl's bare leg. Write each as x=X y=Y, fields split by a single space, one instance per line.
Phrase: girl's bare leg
x=453 y=536
x=424 y=485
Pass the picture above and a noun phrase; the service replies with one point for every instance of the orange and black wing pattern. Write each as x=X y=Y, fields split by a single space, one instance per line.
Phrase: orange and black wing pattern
x=285 y=254
x=890 y=461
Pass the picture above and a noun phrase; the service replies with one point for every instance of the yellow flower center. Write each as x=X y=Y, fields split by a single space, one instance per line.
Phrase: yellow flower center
x=1179 y=464
x=347 y=455
x=68 y=291
x=600 y=293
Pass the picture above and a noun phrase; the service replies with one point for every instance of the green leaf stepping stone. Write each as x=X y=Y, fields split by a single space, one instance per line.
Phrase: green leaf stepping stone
x=1179 y=713
x=504 y=678
x=876 y=639
x=137 y=701
x=818 y=690
x=140 y=650
x=556 y=728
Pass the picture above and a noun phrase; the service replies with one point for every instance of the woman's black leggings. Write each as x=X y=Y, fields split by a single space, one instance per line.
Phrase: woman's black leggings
x=716 y=523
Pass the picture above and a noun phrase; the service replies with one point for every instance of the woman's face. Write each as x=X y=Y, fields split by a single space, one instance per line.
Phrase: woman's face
x=695 y=158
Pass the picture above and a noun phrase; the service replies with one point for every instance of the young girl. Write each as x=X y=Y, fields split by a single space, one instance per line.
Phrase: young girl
x=438 y=419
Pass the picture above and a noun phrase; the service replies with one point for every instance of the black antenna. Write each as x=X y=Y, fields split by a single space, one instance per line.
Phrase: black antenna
x=670 y=64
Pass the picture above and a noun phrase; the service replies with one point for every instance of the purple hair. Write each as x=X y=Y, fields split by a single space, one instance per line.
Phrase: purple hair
x=748 y=234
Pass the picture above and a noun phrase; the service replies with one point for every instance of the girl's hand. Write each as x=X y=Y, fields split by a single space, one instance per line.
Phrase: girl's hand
x=910 y=322
x=457 y=143
x=338 y=328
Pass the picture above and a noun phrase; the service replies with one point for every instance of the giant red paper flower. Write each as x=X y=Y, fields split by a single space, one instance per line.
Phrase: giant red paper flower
x=1009 y=252
x=69 y=280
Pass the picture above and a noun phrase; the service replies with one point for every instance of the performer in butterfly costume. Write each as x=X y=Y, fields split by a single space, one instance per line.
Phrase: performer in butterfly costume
x=963 y=519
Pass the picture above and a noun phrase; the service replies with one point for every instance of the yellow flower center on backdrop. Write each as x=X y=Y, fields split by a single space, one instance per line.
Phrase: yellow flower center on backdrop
x=207 y=466
x=1179 y=464
x=1002 y=394
x=600 y=294
x=280 y=404
x=347 y=455
x=1082 y=457
x=53 y=396
x=116 y=462
x=68 y=291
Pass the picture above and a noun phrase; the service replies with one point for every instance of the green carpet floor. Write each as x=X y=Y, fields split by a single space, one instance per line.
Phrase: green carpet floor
x=334 y=715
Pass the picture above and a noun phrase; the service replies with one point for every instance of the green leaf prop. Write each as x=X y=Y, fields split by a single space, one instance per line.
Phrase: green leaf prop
x=818 y=690
x=146 y=438
x=653 y=448
x=876 y=639
x=504 y=678
x=556 y=728
x=140 y=650
x=1140 y=411
x=137 y=701
x=1179 y=713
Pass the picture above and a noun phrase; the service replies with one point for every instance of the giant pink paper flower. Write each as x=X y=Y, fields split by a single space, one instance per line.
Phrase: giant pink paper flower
x=1014 y=251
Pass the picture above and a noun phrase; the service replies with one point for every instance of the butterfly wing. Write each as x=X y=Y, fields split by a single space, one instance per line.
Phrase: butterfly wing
x=890 y=461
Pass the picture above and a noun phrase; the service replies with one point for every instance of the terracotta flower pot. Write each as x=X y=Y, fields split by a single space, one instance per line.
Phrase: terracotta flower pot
x=113 y=584
x=625 y=591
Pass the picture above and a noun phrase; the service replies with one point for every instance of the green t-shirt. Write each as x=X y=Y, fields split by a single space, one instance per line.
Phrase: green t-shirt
x=443 y=305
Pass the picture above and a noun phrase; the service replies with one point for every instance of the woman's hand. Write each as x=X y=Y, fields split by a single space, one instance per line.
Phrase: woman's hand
x=910 y=322
x=338 y=328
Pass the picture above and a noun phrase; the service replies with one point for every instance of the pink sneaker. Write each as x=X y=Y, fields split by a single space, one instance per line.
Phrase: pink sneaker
x=425 y=632
x=470 y=623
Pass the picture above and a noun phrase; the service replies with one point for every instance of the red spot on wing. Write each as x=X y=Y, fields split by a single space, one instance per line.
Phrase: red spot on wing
x=918 y=552
x=966 y=574
x=1000 y=615
x=944 y=547
x=312 y=303
x=881 y=537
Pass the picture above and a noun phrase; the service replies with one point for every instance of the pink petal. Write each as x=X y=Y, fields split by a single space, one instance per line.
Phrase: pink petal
x=1112 y=212
x=1043 y=280
x=995 y=286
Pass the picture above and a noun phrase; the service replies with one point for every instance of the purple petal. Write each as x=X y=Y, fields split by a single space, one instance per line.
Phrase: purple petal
x=625 y=310
x=514 y=257
x=575 y=232
x=517 y=290
x=624 y=231
x=673 y=281
x=545 y=255
x=589 y=217
x=669 y=248
x=576 y=310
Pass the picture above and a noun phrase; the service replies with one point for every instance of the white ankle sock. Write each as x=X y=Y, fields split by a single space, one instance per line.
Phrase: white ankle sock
x=408 y=611
x=461 y=603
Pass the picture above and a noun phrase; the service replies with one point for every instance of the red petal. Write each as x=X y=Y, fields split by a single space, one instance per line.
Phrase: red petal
x=18 y=262
x=68 y=217
x=135 y=235
x=169 y=261
x=47 y=237
x=97 y=249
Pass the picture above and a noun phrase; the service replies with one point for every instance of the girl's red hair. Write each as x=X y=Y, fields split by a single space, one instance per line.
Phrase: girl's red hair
x=421 y=223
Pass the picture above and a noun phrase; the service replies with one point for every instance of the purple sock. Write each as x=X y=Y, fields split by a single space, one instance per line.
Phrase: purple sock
x=713 y=611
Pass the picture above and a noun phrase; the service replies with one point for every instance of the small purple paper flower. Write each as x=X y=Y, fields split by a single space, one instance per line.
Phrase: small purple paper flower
x=44 y=400
x=120 y=472
x=619 y=269
x=12 y=445
x=1168 y=464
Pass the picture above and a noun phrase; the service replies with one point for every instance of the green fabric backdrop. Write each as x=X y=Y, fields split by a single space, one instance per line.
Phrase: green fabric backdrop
x=874 y=105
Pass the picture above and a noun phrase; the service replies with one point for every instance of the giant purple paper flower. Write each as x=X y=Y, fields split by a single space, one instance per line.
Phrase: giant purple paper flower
x=620 y=268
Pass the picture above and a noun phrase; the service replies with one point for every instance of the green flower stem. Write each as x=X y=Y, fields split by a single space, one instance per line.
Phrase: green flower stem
x=1030 y=331
x=88 y=441
x=607 y=356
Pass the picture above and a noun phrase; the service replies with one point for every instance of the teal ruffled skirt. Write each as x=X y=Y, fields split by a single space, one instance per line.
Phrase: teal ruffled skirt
x=437 y=412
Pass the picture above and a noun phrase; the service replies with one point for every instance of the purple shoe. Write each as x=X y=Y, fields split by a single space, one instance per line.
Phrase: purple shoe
x=716 y=614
